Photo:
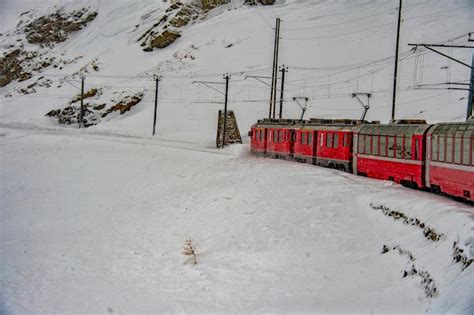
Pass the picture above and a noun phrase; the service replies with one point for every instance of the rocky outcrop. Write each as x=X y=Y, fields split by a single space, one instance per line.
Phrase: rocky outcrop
x=94 y=113
x=162 y=40
x=166 y=30
x=55 y=28
x=263 y=2
x=210 y=4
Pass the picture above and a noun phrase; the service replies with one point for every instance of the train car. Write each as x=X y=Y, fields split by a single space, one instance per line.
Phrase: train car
x=258 y=136
x=450 y=159
x=326 y=143
x=393 y=152
x=274 y=138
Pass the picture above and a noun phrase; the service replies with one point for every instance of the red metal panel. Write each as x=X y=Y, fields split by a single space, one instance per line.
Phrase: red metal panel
x=452 y=179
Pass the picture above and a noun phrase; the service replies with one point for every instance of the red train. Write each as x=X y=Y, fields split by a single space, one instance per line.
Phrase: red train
x=438 y=157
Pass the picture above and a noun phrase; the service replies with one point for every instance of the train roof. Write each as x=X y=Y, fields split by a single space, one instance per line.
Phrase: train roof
x=394 y=129
x=449 y=129
x=311 y=124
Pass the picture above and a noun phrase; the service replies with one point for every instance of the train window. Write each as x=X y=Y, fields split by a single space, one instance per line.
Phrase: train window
x=310 y=139
x=391 y=146
x=434 y=146
x=275 y=136
x=449 y=149
x=336 y=140
x=262 y=134
x=472 y=151
x=280 y=136
x=407 y=148
x=329 y=140
x=361 y=148
x=399 y=147
x=375 y=145
x=417 y=147
x=303 y=138
x=322 y=139
x=383 y=145
x=347 y=140
x=457 y=150
x=367 y=144
x=441 y=144
x=465 y=151
x=293 y=137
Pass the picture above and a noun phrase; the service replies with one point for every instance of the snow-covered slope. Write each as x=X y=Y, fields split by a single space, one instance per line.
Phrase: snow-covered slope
x=332 y=48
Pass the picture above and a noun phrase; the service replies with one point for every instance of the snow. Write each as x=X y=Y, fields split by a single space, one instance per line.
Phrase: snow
x=94 y=220
x=98 y=221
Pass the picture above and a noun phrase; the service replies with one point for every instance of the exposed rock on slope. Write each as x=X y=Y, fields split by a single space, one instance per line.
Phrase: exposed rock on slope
x=166 y=31
x=55 y=28
x=95 y=109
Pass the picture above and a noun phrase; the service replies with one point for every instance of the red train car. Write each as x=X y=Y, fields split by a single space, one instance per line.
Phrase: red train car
x=274 y=138
x=450 y=160
x=325 y=142
x=391 y=152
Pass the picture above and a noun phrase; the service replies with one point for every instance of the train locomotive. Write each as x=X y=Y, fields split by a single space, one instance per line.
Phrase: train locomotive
x=433 y=157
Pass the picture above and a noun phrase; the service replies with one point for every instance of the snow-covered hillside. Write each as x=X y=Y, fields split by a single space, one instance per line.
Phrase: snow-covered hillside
x=94 y=220
x=333 y=48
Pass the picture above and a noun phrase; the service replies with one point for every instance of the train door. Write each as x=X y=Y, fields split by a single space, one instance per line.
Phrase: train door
x=314 y=145
x=292 y=138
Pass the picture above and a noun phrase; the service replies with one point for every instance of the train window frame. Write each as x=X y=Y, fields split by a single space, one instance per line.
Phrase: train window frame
x=472 y=151
x=391 y=146
x=361 y=144
x=466 y=141
x=457 y=150
x=434 y=148
x=399 y=147
x=383 y=145
x=347 y=140
x=367 y=144
x=449 y=149
x=329 y=140
x=375 y=145
x=417 y=148
x=441 y=148
x=407 y=147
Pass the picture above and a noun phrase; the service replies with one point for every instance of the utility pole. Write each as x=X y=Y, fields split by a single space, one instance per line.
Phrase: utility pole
x=271 y=110
x=471 y=84
x=157 y=80
x=395 y=73
x=226 y=78
x=81 y=111
x=470 y=99
x=283 y=70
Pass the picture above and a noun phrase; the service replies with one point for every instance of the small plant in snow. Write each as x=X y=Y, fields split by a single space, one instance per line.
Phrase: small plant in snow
x=189 y=249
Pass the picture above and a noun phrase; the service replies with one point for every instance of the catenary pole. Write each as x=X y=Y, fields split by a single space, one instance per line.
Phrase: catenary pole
x=226 y=77
x=395 y=72
x=283 y=70
x=157 y=80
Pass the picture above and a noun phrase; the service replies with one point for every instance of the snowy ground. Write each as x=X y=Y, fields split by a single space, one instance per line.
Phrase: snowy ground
x=96 y=223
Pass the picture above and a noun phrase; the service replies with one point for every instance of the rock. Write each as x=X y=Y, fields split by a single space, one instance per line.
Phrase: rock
x=164 y=39
x=210 y=4
x=55 y=28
